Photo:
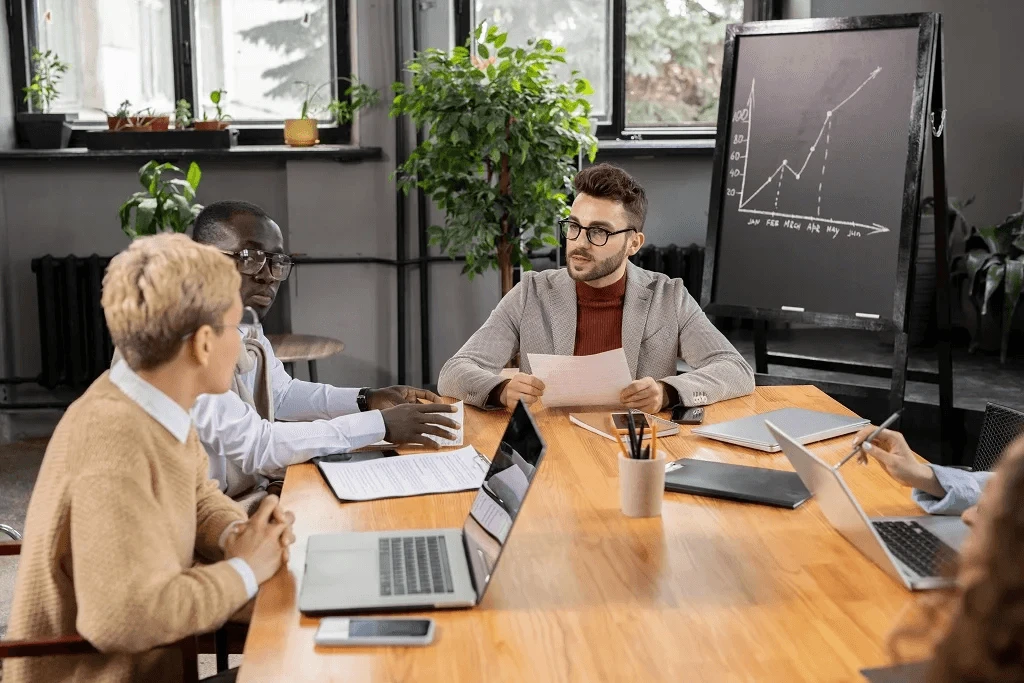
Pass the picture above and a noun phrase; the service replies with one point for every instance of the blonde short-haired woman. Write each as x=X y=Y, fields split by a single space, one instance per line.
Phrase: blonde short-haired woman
x=123 y=502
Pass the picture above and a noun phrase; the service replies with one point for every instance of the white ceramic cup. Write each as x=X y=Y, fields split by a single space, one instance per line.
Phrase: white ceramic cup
x=641 y=485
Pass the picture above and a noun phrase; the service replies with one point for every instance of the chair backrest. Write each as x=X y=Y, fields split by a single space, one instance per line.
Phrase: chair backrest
x=999 y=429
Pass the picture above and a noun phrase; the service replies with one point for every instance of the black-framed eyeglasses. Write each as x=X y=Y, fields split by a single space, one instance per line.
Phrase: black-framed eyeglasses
x=252 y=261
x=596 y=236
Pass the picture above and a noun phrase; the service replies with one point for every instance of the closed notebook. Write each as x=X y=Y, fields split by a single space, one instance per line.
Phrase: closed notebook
x=805 y=426
x=759 y=485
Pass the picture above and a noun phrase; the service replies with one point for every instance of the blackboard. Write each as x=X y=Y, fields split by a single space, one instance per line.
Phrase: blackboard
x=813 y=212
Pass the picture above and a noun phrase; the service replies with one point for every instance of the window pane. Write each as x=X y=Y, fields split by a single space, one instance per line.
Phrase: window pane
x=674 y=60
x=262 y=52
x=582 y=27
x=117 y=51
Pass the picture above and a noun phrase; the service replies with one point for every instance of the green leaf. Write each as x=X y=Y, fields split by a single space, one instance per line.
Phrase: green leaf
x=481 y=49
x=993 y=279
x=194 y=175
x=977 y=260
x=499 y=40
x=144 y=213
x=1013 y=285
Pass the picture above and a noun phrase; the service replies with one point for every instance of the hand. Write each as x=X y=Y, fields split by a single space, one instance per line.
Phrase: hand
x=891 y=451
x=408 y=423
x=262 y=541
x=388 y=397
x=521 y=386
x=646 y=395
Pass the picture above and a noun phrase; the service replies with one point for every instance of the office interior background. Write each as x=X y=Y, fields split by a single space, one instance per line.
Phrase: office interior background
x=365 y=273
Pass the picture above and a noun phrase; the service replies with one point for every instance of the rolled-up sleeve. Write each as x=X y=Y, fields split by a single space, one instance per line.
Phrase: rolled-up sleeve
x=963 y=489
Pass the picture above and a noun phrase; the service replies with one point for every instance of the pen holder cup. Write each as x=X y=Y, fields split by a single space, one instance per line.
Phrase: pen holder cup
x=642 y=485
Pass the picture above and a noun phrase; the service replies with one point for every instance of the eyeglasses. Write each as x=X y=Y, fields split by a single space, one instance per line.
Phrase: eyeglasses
x=252 y=262
x=596 y=236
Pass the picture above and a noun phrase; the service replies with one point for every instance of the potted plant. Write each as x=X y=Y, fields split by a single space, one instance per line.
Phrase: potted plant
x=220 y=119
x=302 y=132
x=182 y=115
x=119 y=120
x=989 y=264
x=166 y=204
x=41 y=128
x=503 y=135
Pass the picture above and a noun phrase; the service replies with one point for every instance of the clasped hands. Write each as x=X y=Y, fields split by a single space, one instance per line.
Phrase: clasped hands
x=647 y=394
x=263 y=539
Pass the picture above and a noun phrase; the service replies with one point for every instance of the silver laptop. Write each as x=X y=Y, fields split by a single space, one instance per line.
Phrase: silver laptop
x=916 y=551
x=427 y=568
x=806 y=426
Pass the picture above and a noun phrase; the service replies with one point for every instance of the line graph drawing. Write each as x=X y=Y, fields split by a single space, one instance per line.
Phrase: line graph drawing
x=779 y=174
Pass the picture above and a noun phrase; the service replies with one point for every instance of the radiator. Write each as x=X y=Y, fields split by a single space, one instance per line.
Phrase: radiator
x=686 y=263
x=74 y=343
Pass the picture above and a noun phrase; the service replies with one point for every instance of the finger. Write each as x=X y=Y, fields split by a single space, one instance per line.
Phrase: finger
x=265 y=510
x=527 y=399
x=282 y=516
x=437 y=431
x=435 y=408
x=275 y=531
x=287 y=538
x=884 y=457
x=528 y=390
x=424 y=395
x=863 y=434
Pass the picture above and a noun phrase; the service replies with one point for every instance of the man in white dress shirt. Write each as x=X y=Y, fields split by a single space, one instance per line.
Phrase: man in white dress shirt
x=319 y=419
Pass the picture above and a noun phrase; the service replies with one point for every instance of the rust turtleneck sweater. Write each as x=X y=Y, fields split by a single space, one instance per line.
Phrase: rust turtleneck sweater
x=599 y=317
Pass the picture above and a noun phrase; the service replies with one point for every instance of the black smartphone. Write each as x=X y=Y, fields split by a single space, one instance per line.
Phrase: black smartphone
x=682 y=415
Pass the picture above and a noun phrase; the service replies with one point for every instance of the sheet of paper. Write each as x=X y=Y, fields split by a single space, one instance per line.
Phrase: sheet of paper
x=406 y=475
x=596 y=380
x=491 y=516
x=459 y=416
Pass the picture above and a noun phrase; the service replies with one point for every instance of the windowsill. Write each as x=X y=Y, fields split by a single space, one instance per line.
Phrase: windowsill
x=341 y=153
x=656 y=148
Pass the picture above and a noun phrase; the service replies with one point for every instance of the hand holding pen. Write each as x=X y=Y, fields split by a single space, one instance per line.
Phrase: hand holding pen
x=864 y=443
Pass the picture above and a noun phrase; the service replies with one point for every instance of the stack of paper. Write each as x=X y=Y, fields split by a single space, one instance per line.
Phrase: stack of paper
x=596 y=380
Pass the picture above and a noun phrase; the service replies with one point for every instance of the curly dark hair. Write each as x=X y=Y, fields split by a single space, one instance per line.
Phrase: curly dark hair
x=984 y=639
x=605 y=181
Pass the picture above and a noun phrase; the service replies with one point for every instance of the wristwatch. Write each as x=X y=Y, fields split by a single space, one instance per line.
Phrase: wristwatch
x=362 y=399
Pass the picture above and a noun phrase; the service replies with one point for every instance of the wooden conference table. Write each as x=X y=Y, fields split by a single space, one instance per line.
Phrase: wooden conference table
x=712 y=590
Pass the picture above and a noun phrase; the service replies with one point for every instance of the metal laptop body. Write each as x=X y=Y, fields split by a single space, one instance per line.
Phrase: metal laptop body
x=845 y=514
x=427 y=568
x=807 y=426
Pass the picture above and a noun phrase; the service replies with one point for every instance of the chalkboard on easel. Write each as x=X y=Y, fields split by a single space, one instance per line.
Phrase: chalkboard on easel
x=814 y=207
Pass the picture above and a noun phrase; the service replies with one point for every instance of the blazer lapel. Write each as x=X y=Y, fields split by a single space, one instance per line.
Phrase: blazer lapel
x=563 y=314
x=635 y=307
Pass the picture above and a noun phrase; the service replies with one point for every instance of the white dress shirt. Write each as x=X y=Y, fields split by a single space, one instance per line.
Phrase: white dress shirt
x=175 y=420
x=319 y=419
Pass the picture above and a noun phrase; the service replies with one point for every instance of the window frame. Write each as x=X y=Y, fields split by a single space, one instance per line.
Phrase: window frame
x=616 y=128
x=22 y=39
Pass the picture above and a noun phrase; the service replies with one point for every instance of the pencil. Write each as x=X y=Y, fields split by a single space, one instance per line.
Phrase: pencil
x=654 y=438
x=618 y=437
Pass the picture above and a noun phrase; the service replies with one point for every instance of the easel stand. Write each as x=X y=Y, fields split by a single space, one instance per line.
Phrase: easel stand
x=951 y=432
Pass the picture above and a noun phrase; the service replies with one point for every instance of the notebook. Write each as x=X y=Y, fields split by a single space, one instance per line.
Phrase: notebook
x=805 y=426
x=598 y=423
x=777 y=488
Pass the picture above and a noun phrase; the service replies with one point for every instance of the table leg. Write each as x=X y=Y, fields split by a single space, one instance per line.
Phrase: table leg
x=289 y=367
x=313 y=377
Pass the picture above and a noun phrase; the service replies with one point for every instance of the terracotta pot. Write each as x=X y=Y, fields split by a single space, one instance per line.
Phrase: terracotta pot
x=301 y=132
x=210 y=125
x=117 y=122
x=160 y=123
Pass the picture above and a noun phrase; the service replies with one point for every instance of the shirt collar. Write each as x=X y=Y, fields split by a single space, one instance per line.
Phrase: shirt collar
x=156 y=403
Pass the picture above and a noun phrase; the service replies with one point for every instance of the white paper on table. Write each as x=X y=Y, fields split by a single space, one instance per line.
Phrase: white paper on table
x=459 y=416
x=596 y=380
x=407 y=475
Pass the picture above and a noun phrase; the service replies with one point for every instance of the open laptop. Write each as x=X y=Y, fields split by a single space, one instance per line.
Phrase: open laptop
x=916 y=551
x=427 y=568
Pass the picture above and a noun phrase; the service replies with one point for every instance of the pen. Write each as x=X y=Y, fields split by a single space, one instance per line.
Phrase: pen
x=632 y=435
x=640 y=440
x=871 y=437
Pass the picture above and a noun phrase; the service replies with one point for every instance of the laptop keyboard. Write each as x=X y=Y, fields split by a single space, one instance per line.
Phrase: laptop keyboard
x=916 y=547
x=414 y=565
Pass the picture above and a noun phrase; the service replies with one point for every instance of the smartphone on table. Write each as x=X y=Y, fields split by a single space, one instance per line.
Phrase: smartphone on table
x=621 y=421
x=362 y=632
x=682 y=415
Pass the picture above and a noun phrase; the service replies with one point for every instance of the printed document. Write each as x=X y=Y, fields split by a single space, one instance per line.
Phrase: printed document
x=596 y=380
x=406 y=475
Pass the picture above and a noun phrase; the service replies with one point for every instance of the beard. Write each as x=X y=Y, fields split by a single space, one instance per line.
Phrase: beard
x=598 y=269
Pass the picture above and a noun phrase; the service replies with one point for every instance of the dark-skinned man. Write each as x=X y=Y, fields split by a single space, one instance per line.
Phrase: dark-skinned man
x=238 y=428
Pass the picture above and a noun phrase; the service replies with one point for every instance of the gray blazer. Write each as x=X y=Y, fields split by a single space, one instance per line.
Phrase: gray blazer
x=660 y=324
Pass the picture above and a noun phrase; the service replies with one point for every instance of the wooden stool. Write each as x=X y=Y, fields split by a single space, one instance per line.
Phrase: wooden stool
x=290 y=348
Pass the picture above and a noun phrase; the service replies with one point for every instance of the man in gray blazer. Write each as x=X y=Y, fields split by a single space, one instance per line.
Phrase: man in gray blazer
x=601 y=302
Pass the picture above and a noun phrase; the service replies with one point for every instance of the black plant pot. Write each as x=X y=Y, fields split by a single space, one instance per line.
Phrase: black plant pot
x=44 y=131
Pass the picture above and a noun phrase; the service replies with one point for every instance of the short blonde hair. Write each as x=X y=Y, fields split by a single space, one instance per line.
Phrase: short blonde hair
x=161 y=289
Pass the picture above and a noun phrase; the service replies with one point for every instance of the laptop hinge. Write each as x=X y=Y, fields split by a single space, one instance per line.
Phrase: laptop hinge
x=469 y=563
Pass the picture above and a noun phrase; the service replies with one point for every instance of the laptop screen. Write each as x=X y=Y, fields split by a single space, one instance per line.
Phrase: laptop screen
x=501 y=496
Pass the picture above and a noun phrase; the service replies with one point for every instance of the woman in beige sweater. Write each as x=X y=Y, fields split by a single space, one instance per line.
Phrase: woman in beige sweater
x=123 y=502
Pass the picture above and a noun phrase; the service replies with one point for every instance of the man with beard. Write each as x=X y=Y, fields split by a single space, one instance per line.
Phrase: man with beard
x=598 y=303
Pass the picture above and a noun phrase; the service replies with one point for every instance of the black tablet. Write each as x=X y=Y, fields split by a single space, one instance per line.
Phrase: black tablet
x=736 y=482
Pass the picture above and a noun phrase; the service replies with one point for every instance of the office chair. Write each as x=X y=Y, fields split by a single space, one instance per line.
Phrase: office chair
x=1001 y=426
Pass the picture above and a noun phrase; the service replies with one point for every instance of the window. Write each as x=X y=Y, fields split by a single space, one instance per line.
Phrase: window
x=115 y=56
x=156 y=52
x=263 y=53
x=656 y=65
x=582 y=27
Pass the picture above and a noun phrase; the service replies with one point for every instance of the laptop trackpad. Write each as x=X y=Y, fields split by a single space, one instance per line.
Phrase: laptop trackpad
x=950 y=530
x=356 y=568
